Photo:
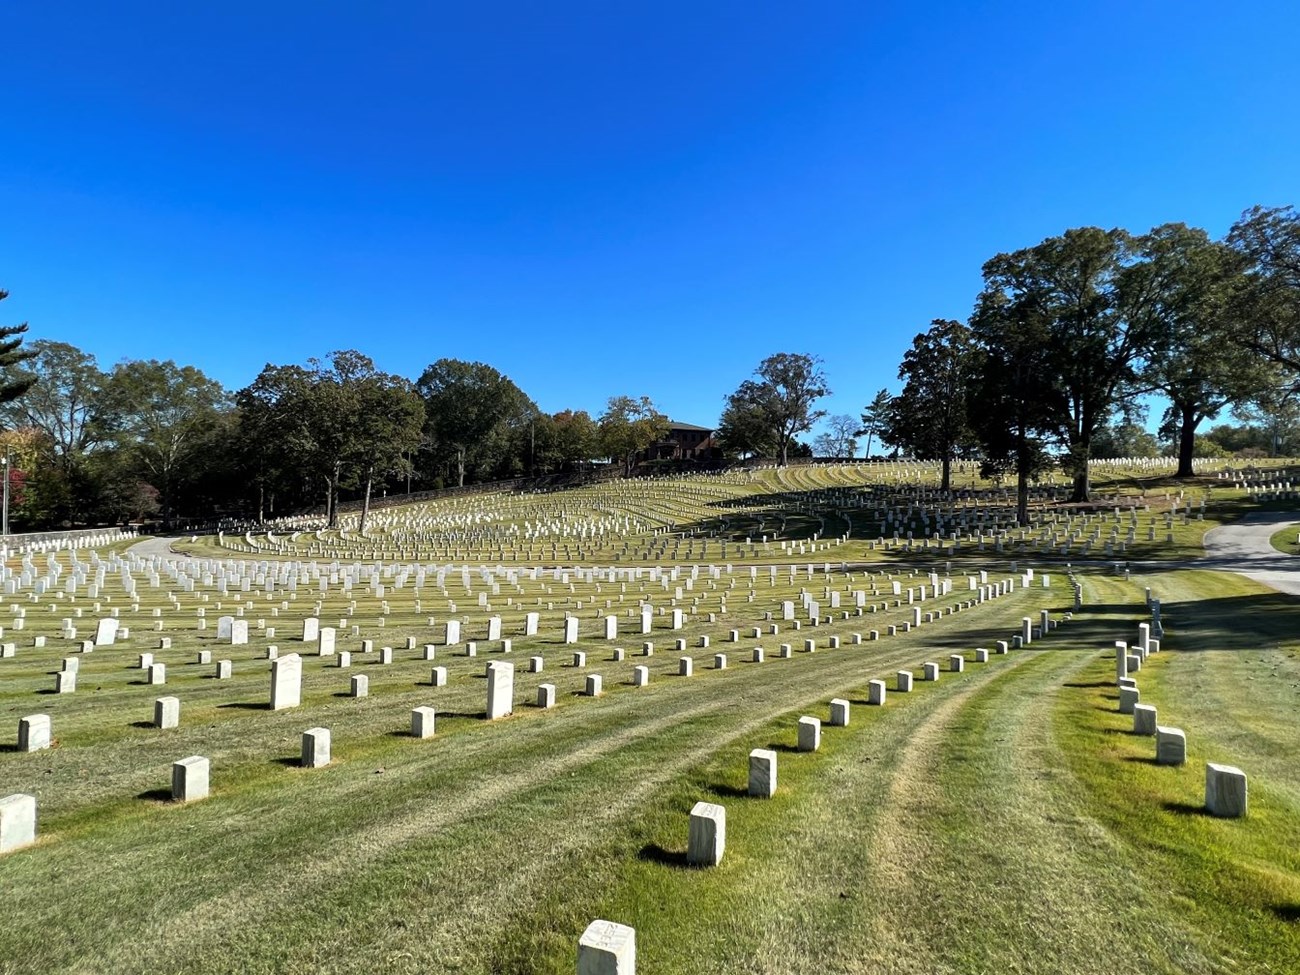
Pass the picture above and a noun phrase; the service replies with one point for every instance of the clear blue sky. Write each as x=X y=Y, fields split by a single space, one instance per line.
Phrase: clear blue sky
x=601 y=198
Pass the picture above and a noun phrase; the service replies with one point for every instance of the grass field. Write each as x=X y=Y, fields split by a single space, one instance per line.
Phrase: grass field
x=1003 y=819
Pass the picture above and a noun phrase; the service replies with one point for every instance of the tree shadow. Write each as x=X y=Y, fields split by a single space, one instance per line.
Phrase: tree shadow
x=654 y=853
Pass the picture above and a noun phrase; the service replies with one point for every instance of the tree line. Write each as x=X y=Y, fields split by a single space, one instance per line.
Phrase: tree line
x=1070 y=338
x=1067 y=341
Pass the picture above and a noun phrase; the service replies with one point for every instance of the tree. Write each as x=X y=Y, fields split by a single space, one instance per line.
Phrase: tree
x=782 y=397
x=1124 y=439
x=388 y=424
x=157 y=413
x=1180 y=293
x=1011 y=397
x=743 y=430
x=629 y=426
x=470 y=407
x=928 y=419
x=564 y=440
x=11 y=355
x=1267 y=307
x=274 y=437
x=875 y=417
x=1068 y=286
x=63 y=403
x=840 y=437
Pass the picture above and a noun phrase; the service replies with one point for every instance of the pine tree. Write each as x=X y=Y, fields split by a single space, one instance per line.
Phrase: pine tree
x=11 y=354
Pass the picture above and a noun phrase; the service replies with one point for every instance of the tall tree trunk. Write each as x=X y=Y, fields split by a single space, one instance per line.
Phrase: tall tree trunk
x=1079 y=454
x=1022 y=496
x=1022 y=478
x=945 y=483
x=1186 y=439
x=334 y=497
x=261 y=502
x=460 y=466
x=365 y=505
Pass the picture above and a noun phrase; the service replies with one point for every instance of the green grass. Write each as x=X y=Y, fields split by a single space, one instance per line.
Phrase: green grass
x=1000 y=820
x=1285 y=540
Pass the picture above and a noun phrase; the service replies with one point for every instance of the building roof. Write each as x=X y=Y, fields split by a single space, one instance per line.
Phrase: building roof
x=674 y=425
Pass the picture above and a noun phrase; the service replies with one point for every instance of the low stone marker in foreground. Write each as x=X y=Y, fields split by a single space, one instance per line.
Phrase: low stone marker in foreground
x=810 y=734
x=422 y=722
x=1128 y=699
x=1171 y=746
x=607 y=948
x=1225 y=790
x=315 y=748
x=190 y=779
x=762 y=773
x=17 y=821
x=167 y=712
x=34 y=733
x=708 y=834
x=839 y=713
x=1144 y=719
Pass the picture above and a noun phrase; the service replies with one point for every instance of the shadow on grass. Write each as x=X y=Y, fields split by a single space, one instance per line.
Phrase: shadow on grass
x=247 y=706
x=1286 y=912
x=156 y=795
x=142 y=724
x=1140 y=759
x=6 y=747
x=727 y=791
x=781 y=747
x=295 y=762
x=1235 y=622
x=1096 y=683
x=1184 y=808
x=655 y=853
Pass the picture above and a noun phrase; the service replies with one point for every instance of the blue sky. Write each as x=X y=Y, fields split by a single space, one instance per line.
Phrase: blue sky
x=601 y=198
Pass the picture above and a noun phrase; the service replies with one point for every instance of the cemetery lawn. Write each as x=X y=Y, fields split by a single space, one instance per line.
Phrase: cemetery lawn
x=1284 y=540
x=1012 y=823
x=1001 y=819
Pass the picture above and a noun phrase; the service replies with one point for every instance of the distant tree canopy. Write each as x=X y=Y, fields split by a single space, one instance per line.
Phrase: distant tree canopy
x=778 y=404
x=1068 y=341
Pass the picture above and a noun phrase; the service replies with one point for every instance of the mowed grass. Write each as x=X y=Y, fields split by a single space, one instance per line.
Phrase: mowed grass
x=999 y=820
x=1009 y=823
x=1286 y=540
x=416 y=853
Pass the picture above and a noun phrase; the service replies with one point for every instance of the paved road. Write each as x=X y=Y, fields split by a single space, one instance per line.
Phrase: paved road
x=1244 y=547
x=154 y=546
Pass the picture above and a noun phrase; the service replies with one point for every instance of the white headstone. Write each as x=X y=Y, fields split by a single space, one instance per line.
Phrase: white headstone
x=500 y=689
x=286 y=682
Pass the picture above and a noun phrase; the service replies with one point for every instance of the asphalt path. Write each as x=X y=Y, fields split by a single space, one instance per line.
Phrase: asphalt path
x=1243 y=547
